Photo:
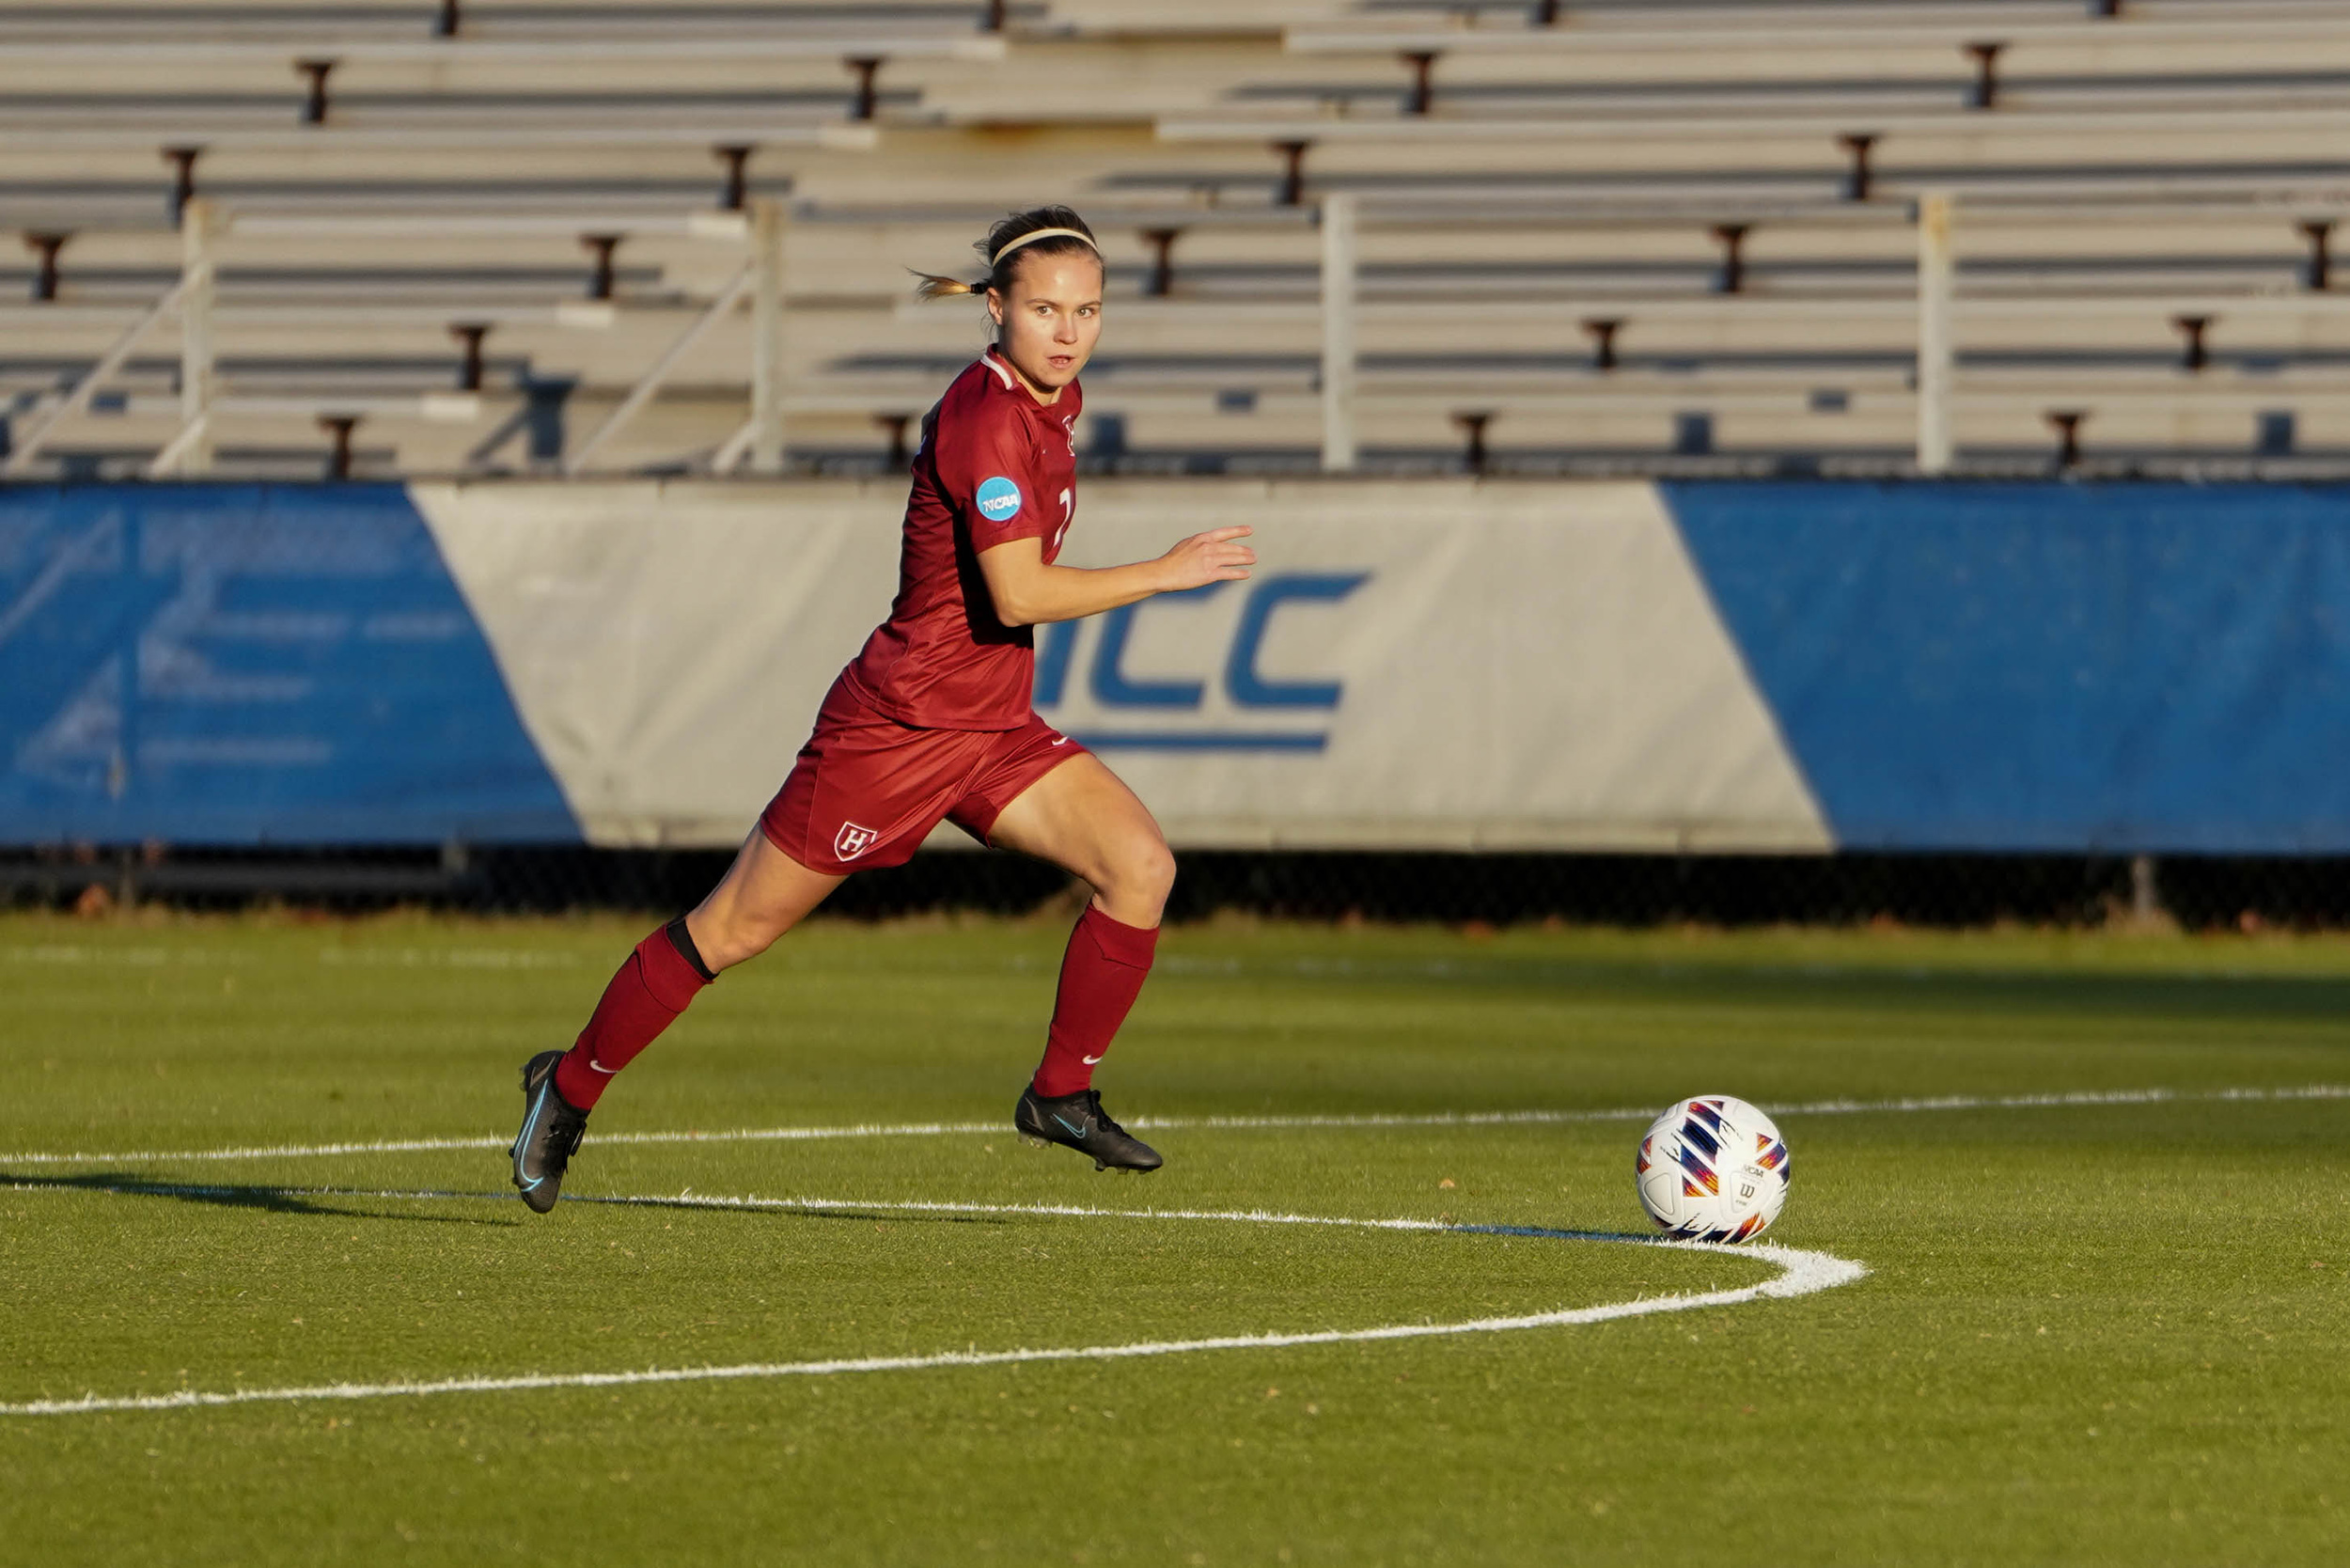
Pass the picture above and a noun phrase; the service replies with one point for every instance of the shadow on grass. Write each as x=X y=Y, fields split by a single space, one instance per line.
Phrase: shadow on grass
x=300 y=1200
x=278 y=1200
x=1547 y=1232
x=303 y=1200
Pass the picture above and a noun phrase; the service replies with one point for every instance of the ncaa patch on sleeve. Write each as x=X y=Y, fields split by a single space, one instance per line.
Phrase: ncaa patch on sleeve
x=999 y=499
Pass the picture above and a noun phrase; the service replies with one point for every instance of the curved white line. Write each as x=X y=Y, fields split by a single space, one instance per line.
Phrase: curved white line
x=1211 y=1123
x=1801 y=1273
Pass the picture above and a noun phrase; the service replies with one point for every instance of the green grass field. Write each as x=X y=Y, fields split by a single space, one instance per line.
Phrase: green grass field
x=2090 y=1332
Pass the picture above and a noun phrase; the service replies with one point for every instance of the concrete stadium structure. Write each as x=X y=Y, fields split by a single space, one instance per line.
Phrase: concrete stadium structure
x=438 y=239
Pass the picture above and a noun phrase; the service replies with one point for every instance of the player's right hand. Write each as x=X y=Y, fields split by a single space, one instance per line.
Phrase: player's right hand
x=1215 y=557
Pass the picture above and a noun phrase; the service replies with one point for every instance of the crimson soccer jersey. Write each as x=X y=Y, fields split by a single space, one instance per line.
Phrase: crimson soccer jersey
x=995 y=465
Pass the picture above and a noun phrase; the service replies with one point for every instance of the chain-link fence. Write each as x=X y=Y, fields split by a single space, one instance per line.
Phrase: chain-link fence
x=2196 y=892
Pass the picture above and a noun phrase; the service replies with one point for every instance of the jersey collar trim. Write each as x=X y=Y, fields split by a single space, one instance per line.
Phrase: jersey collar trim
x=1061 y=411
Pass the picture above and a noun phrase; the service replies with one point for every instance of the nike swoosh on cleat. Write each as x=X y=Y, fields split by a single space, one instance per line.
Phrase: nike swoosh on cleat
x=1073 y=1132
x=537 y=1104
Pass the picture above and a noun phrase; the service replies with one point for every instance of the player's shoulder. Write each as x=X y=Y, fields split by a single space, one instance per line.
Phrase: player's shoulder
x=981 y=395
x=982 y=413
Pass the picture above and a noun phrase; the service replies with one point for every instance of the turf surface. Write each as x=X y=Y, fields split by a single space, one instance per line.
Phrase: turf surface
x=2092 y=1333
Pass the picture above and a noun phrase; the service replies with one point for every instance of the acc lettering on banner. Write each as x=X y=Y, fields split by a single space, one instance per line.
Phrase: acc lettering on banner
x=1245 y=686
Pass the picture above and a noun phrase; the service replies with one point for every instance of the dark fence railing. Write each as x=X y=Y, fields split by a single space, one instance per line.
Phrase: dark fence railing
x=1952 y=890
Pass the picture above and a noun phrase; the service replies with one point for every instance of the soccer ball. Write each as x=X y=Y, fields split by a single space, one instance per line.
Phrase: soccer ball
x=1713 y=1169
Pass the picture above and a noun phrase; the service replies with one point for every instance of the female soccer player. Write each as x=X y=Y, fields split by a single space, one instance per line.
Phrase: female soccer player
x=932 y=722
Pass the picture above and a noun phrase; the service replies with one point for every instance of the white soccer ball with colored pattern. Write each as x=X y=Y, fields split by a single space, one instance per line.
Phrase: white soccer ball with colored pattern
x=1713 y=1169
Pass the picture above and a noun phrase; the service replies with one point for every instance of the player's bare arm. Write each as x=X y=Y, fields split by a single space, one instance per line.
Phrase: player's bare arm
x=1047 y=322
x=1029 y=593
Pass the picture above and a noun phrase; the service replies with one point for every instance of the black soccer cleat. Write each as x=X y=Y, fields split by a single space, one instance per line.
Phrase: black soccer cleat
x=1078 y=1122
x=550 y=1136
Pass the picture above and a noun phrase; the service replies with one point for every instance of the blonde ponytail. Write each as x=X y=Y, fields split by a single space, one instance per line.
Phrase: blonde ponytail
x=933 y=287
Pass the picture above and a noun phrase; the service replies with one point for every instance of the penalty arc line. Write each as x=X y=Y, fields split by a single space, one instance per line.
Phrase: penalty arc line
x=1801 y=1273
x=1906 y=1105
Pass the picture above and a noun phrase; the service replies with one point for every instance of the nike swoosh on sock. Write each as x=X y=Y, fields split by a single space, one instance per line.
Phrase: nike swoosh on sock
x=1089 y=1061
x=600 y=1067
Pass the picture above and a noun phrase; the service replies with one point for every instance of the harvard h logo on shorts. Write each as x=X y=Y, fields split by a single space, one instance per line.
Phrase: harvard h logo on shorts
x=852 y=840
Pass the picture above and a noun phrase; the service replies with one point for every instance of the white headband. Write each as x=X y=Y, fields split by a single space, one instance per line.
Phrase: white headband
x=1011 y=245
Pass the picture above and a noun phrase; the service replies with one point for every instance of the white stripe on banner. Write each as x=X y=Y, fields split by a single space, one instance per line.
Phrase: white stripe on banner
x=1489 y=665
x=2058 y=1099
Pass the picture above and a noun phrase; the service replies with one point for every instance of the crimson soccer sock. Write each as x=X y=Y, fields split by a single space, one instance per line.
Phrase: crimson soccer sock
x=1101 y=974
x=653 y=987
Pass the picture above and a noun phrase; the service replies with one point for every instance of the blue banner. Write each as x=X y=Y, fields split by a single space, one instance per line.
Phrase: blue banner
x=249 y=665
x=2048 y=667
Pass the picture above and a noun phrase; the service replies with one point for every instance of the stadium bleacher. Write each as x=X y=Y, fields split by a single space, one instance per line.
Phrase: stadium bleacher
x=1657 y=236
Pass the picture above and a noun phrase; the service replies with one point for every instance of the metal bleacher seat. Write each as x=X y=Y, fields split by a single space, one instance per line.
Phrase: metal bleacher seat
x=1655 y=231
x=2135 y=189
x=488 y=164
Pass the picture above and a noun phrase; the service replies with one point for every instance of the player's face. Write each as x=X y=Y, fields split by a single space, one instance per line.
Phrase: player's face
x=1048 y=327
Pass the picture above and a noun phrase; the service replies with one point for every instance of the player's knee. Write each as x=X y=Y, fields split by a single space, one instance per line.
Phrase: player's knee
x=731 y=934
x=1144 y=876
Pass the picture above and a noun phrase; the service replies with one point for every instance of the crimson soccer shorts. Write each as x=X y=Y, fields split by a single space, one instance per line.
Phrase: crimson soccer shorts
x=867 y=790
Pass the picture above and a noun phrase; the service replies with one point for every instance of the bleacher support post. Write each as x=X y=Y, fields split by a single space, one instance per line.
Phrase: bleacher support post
x=867 y=101
x=183 y=162
x=737 y=189
x=2067 y=425
x=339 y=427
x=1337 y=334
x=1603 y=330
x=1161 y=282
x=46 y=246
x=2193 y=355
x=1731 y=279
x=314 y=101
x=1293 y=191
x=767 y=221
x=600 y=278
x=1473 y=428
x=1856 y=177
x=1422 y=97
x=2317 y=275
x=1985 y=92
x=895 y=426
x=470 y=334
x=191 y=451
x=1935 y=357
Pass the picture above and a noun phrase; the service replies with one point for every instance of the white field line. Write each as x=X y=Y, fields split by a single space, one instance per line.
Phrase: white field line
x=1215 y=1123
x=1801 y=1273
